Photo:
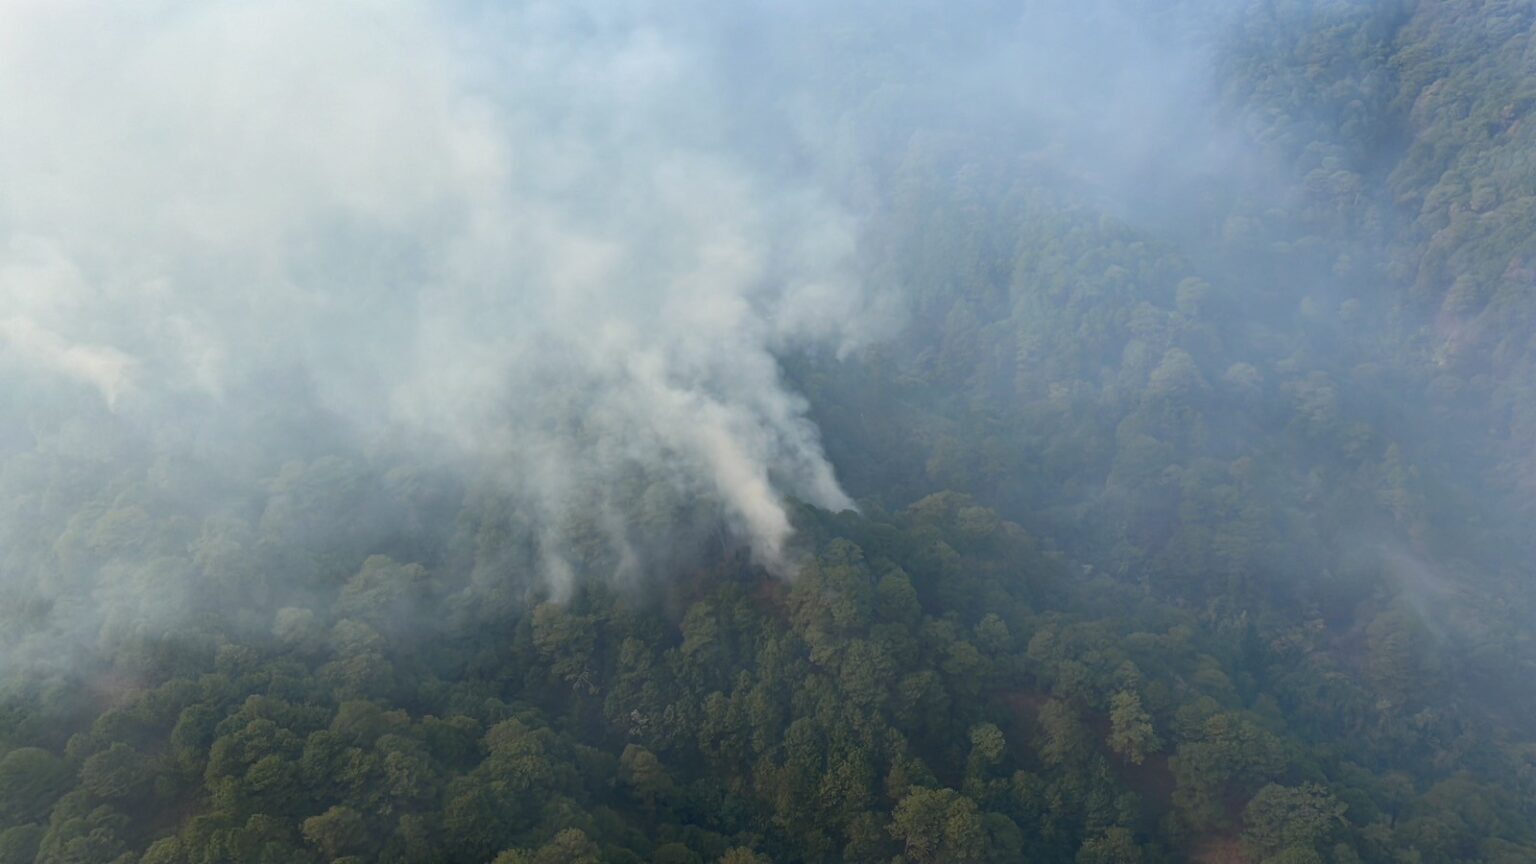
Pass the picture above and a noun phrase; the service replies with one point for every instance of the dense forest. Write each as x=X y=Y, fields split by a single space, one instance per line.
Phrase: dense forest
x=1191 y=482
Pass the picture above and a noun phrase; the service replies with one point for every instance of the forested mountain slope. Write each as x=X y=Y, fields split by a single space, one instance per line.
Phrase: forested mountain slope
x=1194 y=497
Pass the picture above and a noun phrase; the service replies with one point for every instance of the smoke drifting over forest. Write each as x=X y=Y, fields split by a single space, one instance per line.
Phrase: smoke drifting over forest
x=564 y=248
x=564 y=244
x=519 y=237
x=431 y=432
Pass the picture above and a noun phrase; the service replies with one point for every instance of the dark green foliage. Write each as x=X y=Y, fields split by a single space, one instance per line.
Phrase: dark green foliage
x=30 y=781
x=18 y=845
x=115 y=774
x=1282 y=818
x=754 y=722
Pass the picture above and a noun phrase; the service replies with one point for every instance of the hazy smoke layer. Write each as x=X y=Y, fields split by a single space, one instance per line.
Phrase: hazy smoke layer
x=522 y=236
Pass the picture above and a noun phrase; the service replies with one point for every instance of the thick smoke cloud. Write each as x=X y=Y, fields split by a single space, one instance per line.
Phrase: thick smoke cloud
x=522 y=238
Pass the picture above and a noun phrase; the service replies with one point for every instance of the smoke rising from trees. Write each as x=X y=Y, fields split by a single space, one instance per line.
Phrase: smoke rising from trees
x=519 y=238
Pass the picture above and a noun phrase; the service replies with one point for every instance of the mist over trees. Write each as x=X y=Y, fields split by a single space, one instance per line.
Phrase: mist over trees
x=878 y=432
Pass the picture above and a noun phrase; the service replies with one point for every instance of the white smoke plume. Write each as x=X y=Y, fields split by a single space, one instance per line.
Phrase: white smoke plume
x=520 y=235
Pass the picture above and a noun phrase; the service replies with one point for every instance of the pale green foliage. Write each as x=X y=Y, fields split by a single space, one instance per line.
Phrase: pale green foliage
x=1130 y=731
